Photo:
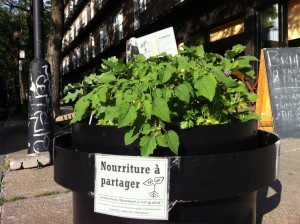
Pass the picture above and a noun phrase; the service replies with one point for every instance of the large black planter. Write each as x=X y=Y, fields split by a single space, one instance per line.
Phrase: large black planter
x=221 y=168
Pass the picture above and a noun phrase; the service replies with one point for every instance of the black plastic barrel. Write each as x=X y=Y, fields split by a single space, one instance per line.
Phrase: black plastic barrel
x=210 y=186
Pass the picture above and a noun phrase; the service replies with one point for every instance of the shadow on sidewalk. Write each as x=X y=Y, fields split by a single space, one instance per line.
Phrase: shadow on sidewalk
x=15 y=134
x=265 y=203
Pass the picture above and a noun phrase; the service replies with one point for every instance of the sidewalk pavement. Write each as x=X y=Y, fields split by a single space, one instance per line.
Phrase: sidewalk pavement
x=32 y=197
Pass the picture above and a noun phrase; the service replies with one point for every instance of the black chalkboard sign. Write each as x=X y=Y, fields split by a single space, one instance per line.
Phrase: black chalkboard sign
x=283 y=72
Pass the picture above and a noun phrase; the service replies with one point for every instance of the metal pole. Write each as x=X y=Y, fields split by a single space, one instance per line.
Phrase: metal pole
x=38 y=28
x=40 y=112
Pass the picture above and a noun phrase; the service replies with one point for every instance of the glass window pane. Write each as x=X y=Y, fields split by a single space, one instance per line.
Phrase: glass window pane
x=269 y=27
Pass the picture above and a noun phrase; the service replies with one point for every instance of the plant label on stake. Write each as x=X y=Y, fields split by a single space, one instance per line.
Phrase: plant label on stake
x=131 y=186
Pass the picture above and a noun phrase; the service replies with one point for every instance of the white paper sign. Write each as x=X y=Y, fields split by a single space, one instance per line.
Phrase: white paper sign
x=132 y=186
x=158 y=42
x=152 y=44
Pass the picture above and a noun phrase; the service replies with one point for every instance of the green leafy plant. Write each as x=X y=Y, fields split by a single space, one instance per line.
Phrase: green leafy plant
x=152 y=96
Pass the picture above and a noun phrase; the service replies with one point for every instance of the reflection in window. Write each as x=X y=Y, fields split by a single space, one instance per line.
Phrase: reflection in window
x=84 y=17
x=93 y=47
x=77 y=27
x=139 y=6
x=100 y=4
x=136 y=14
x=227 y=30
x=86 y=50
x=103 y=37
x=71 y=6
x=142 y=5
x=78 y=57
x=269 y=27
x=294 y=23
x=66 y=12
x=72 y=58
x=118 y=24
x=64 y=66
x=92 y=8
x=72 y=33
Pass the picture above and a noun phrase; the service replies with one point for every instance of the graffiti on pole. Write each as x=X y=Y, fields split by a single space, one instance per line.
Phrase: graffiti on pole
x=40 y=113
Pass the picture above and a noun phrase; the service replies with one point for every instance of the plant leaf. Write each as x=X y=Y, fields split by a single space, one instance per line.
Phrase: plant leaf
x=221 y=77
x=107 y=77
x=182 y=92
x=146 y=128
x=164 y=76
x=183 y=63
x=131 y=136
x=206 y=86
x=200 y=51
x=127 y=115
x=72 y=96
x=241 y=63
x=248 y=115
x=252 y=97
x=80 y=108
x=111 y=113
x=148 y=144
x=147 y=108
x=172 y=140
x=160 y=108
x=161 y=141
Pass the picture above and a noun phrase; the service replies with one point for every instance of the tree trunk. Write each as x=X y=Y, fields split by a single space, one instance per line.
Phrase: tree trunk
x=54 y=50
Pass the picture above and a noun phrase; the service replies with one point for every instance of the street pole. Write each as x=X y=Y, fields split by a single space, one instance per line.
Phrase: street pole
x=40 y=112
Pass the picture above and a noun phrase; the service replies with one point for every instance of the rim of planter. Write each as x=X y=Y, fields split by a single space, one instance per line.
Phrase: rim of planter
x=201 y=178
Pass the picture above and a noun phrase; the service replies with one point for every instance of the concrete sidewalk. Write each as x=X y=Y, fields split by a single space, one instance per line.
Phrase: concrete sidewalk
x=31 y=195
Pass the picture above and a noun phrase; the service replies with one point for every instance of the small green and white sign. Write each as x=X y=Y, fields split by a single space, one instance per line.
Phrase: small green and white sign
x=132 y=186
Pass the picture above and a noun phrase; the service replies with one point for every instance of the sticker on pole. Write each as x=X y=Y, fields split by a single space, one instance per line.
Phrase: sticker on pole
x=132 y=186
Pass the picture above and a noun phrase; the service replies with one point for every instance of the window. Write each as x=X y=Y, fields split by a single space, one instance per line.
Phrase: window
x=142 y=5
x=64 y=66
x=269 y=27
x=65 y=40
x=72 y=33
x=92 y=8
x=100 y=4
x=66 y=12
x=227 y=30
x=93 y=46
x=103 y=37
x=77 y=27
x=225 y=36
x=86 y=50
x=294 y=23
x=67 y=64
x=78 y=57
x=118 y=24
x=72 y=59
x=84 y=17
x=136 y=8
x=71 y=6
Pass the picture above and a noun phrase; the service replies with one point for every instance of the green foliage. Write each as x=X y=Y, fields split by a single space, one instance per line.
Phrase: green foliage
x=152 y=96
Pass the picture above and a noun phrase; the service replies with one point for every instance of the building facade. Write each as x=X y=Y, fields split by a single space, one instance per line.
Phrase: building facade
x=97 y=29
